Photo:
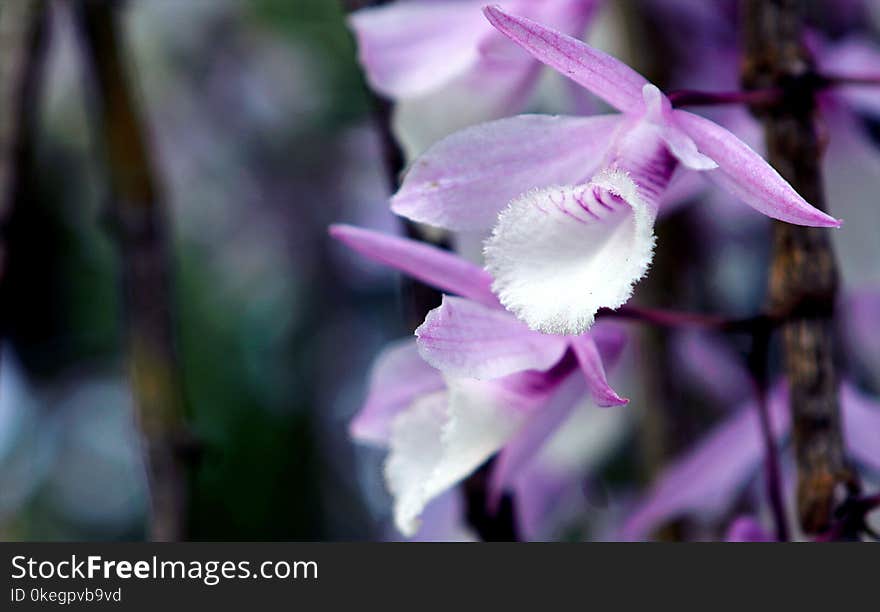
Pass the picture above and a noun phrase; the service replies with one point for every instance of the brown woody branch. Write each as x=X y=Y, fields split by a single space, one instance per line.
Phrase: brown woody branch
x=803 y=276
x=138 y=216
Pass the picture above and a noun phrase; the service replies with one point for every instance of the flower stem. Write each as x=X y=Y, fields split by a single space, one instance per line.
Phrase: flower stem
x=766 y=97
x=679 y=319
x=758 y=97
x=803 y=278
x=831 y=80
x=772 y=472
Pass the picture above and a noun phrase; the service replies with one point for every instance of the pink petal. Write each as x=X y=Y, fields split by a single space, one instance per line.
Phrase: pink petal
x=410 y=48
x=399 y=376
x=428 y=264
x=707 y=479
x=747 y=529
x=640 y=151
x=605 y=76
x=464 y=338
x=861 y=426
x=746 y=175
x=465 y=180
x=592 y=368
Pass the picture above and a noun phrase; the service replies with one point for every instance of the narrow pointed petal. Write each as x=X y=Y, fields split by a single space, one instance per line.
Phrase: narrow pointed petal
x=707 y=479
x=861 y=426
x=399 y=376
x=605 y=76
x=593 y=370
x=410 y=48
x=464 y=338
x=747 y=529
x=433 y=266
x=746 y=175
x=540 y=426
x=465 y=180
x=559 y=255
x=443 y=438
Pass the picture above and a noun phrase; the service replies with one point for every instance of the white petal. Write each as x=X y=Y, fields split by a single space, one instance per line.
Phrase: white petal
x=444 y=437
x=559 y=255
x=416 y=449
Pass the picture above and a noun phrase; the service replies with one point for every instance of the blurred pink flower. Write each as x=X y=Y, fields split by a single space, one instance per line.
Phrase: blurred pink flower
x=446 y=67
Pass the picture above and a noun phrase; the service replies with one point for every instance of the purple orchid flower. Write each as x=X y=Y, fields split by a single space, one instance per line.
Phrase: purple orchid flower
x=476 y=381
x=559 y=254
x=747 y=529
x=446 y=67
x=706 y=481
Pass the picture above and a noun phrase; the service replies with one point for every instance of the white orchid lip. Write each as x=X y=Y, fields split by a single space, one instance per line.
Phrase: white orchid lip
x=558 y=255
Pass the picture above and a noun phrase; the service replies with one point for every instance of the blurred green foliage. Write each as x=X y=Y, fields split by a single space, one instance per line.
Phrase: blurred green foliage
x=319 y=25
